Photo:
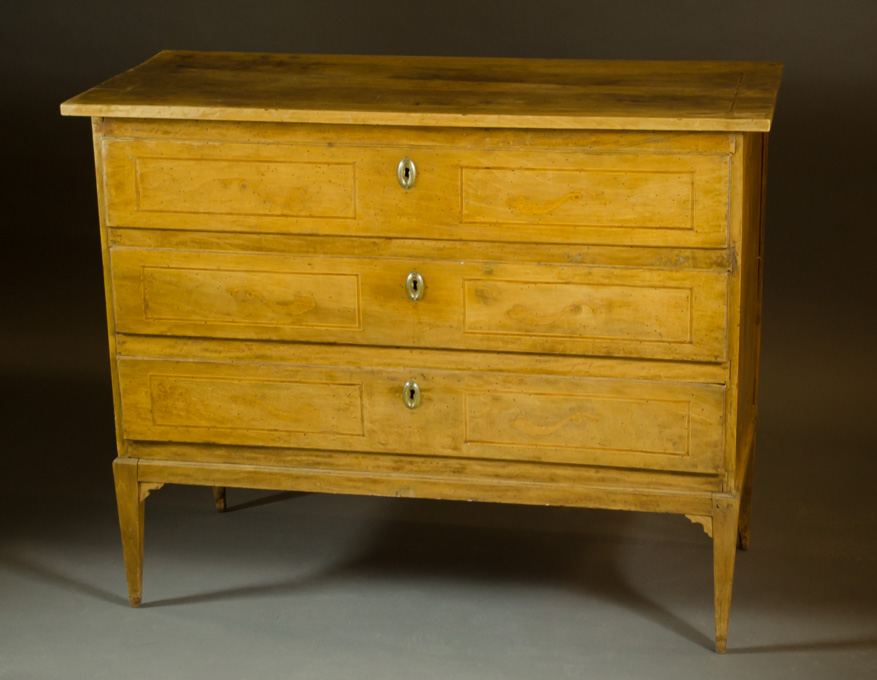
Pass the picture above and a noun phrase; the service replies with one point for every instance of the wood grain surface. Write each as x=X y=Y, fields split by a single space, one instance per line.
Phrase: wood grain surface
x=584 y=421
x=677 y=196
x=441 y=91
x=588 y=243
x=559 y=309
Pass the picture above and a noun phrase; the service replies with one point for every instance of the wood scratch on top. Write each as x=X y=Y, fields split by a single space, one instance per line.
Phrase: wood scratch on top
x=737 y=92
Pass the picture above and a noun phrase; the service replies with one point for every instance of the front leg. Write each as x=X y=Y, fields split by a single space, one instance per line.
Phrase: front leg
x=726 y=512
x=131 y=516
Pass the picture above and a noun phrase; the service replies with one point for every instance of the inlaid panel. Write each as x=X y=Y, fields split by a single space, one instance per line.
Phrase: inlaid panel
x=174 y=182
x=597 y=310
x=240 y=187
x=251 y=297
x=236 y=295
x=594 y=421
x=248 y=404
x=652 y=199
x=202 y=402
x=574 y=421
x=624 y=198
x=605 y=311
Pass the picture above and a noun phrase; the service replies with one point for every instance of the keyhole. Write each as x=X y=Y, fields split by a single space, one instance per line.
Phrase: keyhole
x=415 y=286
x=406 y=173
x=411 y=394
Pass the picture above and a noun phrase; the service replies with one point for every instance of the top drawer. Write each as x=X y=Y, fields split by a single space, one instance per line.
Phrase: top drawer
x=489 y=194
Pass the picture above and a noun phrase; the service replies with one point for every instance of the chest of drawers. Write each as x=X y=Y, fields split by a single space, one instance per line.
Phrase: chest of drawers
x=513 y=281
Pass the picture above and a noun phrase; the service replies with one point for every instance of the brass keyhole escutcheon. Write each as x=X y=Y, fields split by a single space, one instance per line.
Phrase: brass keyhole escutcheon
x=406 y=173
x=411 y=394
x=415 y=286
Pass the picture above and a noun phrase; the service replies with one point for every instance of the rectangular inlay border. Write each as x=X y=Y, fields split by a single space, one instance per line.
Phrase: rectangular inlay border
x=518 y=320
x=504 y=195
x=318 y=403
x=299 y=306
x=301 y=189
x=565 y=425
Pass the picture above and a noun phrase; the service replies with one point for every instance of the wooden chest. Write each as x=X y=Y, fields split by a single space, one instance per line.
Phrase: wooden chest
x=520 y=281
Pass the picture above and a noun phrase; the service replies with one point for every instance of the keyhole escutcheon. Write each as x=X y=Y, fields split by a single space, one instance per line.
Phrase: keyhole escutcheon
x=411 y=394
x=415 y=286
x=406 y=173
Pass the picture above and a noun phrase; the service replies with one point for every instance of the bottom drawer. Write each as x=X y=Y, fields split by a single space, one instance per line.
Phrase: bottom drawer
x=651 y=424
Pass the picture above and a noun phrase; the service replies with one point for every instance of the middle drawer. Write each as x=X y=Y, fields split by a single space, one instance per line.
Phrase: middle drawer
x=559 y=309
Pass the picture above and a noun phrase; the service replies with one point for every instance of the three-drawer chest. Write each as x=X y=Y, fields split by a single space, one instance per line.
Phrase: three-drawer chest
x=506 y=280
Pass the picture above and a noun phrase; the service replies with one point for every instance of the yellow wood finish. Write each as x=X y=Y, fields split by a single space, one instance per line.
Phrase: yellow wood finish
x=465 y=414
x=660 y=198
x=306 y=354
x=725 y=517
x=131 y=516
x=589 y=237
x=441 y=91
x=411 y=485
x=694 y=488
x=706 y=521
x=571 y=309
x=108 y=283
x=746 y=502
x=414 y=250
x=706 y=142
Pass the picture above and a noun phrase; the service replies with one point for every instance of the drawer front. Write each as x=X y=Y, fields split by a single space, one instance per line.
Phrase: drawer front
x=652 y=199
x=260 y=297
x=573 y=420
x=607 y=311
x=601 y=311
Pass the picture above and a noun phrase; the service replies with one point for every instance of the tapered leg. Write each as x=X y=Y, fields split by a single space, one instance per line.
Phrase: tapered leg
x=131 y=522
x=746 y=503
x=725 y=516
x=219 y=498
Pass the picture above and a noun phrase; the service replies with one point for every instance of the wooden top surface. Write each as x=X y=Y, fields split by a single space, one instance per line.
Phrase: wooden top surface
x=441 y=91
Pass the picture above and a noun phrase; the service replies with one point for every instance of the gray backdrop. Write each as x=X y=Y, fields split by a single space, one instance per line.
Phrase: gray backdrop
x=814 y=491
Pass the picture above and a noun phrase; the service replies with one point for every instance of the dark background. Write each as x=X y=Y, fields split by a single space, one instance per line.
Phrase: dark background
x=817 y=459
